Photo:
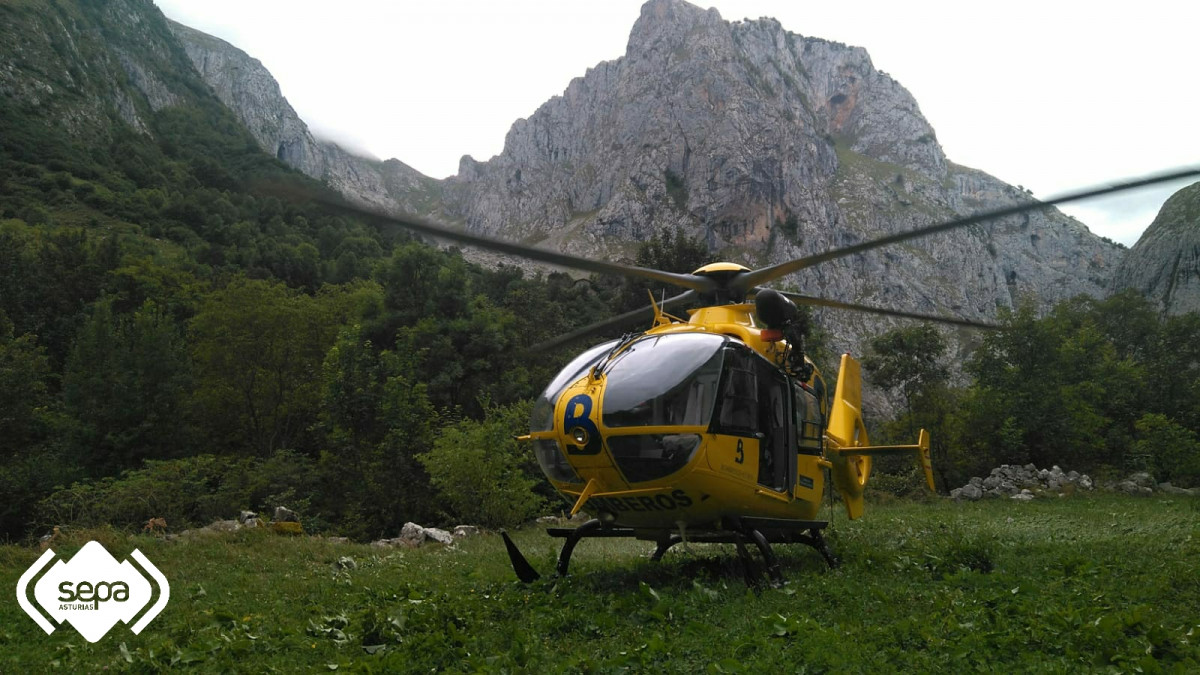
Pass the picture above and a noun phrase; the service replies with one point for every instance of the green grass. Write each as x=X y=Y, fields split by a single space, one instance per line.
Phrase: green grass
x=1081 y=584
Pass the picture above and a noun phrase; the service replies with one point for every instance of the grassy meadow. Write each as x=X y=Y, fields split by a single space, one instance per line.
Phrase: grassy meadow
x=1093 y=583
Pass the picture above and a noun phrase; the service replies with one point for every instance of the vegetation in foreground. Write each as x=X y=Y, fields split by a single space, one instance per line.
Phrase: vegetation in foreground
x=1079 y=584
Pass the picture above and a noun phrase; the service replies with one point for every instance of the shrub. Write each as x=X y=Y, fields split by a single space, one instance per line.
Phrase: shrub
x=186 y=492
x=1168 y=450
x=485 y=476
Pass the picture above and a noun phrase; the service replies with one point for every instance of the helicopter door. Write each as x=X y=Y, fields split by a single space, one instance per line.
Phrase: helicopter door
x=755 y=402
x=775 y=460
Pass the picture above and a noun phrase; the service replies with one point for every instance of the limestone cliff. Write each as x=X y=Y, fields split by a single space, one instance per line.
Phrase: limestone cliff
x=767 y=144
x=248 y=89
x=1164 y=264
x=770 y=145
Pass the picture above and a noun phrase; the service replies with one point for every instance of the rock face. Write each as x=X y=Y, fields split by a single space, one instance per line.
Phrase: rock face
x=1164 y=265
x=770 y=146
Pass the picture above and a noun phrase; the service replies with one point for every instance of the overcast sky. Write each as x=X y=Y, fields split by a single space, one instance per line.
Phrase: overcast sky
x=1051 y=95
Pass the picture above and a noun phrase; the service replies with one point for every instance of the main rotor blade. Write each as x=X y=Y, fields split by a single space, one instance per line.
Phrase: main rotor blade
x=768 y=274
x=822 y=302
x=641 y=313
x=427 y=227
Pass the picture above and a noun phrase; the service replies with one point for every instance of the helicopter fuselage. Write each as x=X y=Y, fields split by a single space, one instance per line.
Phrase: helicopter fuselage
x=686 y=425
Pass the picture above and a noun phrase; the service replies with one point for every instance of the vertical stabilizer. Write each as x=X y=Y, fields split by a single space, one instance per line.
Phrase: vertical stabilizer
x=845 y=432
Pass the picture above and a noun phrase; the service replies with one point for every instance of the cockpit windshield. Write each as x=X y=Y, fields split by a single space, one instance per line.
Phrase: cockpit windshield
x=543 y=409
x=664 y=380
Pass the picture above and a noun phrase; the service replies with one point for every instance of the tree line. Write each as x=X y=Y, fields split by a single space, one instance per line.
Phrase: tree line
x=1107 y=386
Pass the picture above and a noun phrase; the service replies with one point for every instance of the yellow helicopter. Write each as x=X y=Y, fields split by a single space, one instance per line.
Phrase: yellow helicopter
x=717 y=427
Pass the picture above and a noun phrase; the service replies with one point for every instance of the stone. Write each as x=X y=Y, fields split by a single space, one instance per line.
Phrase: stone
x=1010 y=480
x=413 y=533
x=1170 y=489
x=285 y=515
x=440 y=536
x=971 y=492
x=464 y=531
x=1142 y=479
x=1023 y=496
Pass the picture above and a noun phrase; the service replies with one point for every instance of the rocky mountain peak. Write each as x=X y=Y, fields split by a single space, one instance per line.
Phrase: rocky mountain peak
x=1164 y=264
x=669 y=24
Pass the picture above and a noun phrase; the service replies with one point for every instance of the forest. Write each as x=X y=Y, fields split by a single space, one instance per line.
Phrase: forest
x=181 y=339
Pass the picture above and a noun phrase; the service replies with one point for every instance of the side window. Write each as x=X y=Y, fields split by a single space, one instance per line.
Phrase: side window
x=737 y=410
x=809 y=425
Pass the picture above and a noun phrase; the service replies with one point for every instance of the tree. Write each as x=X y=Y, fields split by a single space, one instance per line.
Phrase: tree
x=257 y=348
x=1069 y=388
x=31 y=462
x=376 y=419
x=125 y=384
x=910 y=360
x=26 y=402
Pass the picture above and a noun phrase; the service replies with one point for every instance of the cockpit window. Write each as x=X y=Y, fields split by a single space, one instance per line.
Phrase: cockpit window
x=664 y=380
x=542 y=418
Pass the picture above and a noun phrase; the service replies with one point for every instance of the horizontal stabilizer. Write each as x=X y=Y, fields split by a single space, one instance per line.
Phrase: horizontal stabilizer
x=921 y=448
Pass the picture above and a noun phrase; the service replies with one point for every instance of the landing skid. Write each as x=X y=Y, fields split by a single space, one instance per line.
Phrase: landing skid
x=760 y=531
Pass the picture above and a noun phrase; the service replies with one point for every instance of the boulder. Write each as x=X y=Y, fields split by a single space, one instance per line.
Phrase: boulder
x=968 y=492
x=413 y=533
x=249 y=519
x=1173 y=490
x=1142 y=479
x=285 y=515
x=440 y=536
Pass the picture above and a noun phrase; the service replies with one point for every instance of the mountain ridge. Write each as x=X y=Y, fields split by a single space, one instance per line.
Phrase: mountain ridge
x=767 y=145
